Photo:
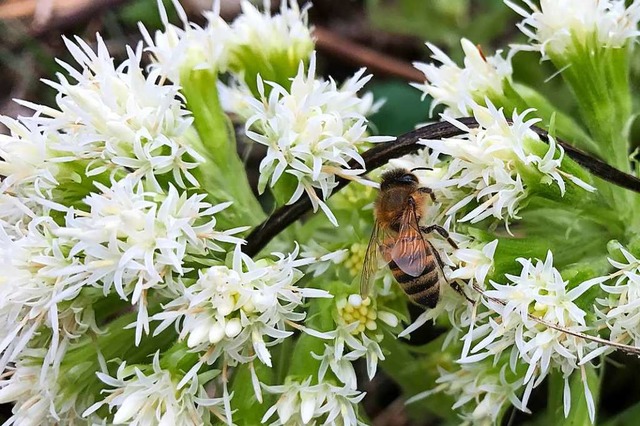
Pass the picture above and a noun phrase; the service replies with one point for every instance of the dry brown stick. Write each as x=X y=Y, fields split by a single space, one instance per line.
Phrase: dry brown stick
x=349 y=51
x=39 y=10
x=17 y=9
x=43 y=12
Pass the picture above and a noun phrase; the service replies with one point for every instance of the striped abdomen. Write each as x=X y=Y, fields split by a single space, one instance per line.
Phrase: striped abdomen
x=425 y=288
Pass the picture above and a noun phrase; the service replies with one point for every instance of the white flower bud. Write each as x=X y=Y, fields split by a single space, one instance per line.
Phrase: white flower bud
x=198 y=334
x=216 y=332
x=355 y=300
x=388 y=318
x=233 y=328
x=130 y=406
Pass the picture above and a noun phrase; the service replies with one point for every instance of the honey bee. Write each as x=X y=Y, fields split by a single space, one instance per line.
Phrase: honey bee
x=398 y=236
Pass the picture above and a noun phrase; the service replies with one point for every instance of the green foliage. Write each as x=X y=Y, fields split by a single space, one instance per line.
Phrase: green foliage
x=401 y=110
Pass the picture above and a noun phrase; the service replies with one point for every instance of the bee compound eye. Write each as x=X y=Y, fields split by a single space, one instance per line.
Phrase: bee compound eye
x=409 y=178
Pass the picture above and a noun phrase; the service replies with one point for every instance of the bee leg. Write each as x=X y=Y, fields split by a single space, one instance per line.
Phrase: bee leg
x=429 y=191
x=440 y=230
x=454 y=284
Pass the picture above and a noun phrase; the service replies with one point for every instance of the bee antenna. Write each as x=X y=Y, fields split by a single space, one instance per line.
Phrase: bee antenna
x=420 y=168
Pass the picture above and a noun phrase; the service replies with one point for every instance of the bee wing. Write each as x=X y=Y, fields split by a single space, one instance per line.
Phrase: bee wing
x=370 y=265
x=410 y=250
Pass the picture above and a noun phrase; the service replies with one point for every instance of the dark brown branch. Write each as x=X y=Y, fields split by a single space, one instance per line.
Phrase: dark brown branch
x=407 y=144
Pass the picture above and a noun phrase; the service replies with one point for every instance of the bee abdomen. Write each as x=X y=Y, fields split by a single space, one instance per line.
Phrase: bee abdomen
x=404 y=278
x=429 y=297
x=423 y=289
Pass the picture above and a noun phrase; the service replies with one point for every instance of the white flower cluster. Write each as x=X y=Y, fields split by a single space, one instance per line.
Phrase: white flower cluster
x=128 y=242
x=312 y=132
x=217 y=46
x=286 y=34
x=460 y=88
x=154 y=398
x=111 y=121
x=538 y=291
x=29 y=171
x=302 y=402
x=133 y=240
x=622 y=306
x=558 y=26
x=34 y=395
x=119 y=119
x=175 y=49
x=41 y=279
x=483 y=165
x=96 y=199
x=509 y=331
x=237 y=312
x=356 y=335
x=489 y=392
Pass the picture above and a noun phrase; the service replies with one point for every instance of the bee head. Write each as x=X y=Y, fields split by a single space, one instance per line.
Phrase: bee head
x=397 y=177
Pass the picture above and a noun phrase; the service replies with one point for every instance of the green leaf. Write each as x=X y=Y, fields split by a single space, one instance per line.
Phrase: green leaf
x=599 y=79
x=628 y=417
x=249 y=410
x=146 y=11
x=223 y=175
x=401 y=110
x=522 y=97
x=433 y=20
x=578 y=414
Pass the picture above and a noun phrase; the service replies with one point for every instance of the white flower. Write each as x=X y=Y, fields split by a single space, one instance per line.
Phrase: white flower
x=481 y=395
x=558 y=26
x=485 y=162
x=301 y=402
x=145 y=398
x=33 y=398
x=459 y=88
x=312 y=131
x=29 y=167
x=325 y=257
x=623 y=304
x=238 y=312
x=117 y=120
x=475 y=263
x=540 y=291
x=36 y=396
x=235 y=98
x=218 y=46
x=177 y=50
x=285 y=36
x=357 y=335
x=131 y=240
x=40 y=279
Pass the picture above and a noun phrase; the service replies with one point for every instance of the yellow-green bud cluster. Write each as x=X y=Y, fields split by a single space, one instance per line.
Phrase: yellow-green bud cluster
x=355 y=309
x=356 y=258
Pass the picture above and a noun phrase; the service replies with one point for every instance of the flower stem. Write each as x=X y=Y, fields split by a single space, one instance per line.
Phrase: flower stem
x=224 y=175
